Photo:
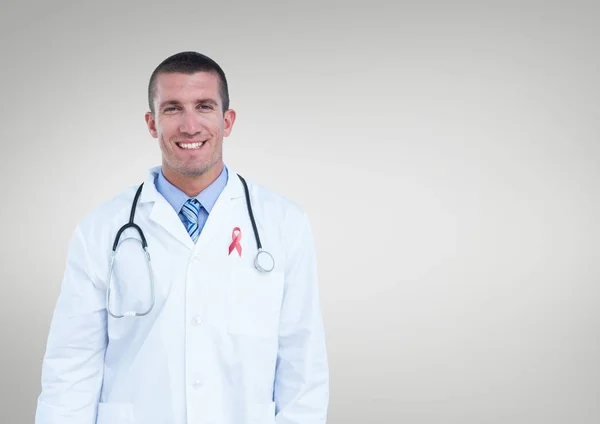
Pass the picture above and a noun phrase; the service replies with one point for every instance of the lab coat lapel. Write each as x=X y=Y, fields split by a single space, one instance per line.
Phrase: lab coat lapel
x=220 y=217
x=162 y=212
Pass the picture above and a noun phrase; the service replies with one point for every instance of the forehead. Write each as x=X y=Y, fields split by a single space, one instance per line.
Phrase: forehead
x=180 y=86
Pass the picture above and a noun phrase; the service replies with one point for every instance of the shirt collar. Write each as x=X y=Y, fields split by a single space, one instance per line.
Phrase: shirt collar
x=177 y=198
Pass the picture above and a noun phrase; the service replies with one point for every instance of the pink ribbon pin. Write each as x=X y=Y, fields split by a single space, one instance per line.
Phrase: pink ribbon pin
x=236 y=236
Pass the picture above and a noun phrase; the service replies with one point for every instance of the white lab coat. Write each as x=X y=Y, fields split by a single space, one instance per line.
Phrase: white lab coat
x=224 y=344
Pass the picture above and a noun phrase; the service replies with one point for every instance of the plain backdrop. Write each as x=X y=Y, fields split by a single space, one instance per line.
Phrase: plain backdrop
x=446 y=152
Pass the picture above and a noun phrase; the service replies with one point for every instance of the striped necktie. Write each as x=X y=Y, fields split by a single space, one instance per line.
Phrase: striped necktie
x=190 y=210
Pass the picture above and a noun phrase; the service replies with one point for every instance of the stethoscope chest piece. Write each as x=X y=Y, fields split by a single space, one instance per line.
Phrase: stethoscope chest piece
x=264 y=261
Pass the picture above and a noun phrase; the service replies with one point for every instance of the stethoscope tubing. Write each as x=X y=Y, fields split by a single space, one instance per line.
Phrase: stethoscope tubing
x=144 y=244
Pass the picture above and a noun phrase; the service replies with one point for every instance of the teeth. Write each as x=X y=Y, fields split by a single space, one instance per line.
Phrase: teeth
x=190 y=145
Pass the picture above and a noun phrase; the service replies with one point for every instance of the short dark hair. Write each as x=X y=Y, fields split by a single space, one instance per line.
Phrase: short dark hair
x=188 y=63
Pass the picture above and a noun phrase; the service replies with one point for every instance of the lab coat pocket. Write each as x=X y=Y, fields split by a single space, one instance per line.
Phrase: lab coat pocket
x=254 y=302
x=115 y=413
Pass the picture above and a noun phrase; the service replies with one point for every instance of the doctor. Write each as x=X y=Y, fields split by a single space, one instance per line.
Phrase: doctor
x=194 y=332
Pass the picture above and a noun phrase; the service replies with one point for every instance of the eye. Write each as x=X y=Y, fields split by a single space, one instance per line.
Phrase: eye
x=169 y=109
x=206 y=107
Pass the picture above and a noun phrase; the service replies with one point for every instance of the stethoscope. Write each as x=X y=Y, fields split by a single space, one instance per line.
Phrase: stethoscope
x=263 y=260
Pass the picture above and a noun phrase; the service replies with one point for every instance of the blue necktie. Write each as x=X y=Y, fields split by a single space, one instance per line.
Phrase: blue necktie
x=190 y=210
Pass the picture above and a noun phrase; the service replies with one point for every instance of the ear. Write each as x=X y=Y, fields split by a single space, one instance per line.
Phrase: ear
x=151 y=123
x=228 y=120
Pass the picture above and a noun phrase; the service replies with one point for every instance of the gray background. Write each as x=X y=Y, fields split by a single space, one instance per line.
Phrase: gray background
x=447 y=153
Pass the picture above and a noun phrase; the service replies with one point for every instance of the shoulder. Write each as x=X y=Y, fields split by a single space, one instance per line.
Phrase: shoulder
x=104 y=214
x=275 y=204
x=283 y=216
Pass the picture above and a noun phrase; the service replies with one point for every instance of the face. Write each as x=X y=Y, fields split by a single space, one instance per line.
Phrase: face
x=189 y=123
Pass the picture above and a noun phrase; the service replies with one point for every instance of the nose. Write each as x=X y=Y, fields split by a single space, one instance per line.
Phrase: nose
x=189 y=124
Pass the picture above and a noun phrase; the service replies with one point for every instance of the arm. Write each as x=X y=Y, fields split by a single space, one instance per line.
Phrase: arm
x=302 y=375
x=72 y=368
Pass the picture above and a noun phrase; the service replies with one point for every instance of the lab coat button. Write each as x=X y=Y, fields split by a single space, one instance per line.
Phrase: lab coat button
x=196 y=320
x=196 y=384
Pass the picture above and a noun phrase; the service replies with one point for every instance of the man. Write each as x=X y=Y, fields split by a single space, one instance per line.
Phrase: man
x=201 y=335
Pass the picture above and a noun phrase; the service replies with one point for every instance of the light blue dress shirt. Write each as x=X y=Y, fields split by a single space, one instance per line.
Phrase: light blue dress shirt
x=207 y=197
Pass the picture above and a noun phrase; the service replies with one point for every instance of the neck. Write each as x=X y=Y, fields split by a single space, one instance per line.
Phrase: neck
x=192 y=185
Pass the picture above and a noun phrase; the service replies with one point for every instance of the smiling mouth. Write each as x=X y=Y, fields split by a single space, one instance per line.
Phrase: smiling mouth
x=190 y=146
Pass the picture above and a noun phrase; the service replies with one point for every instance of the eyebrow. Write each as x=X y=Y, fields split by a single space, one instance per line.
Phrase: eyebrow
x=178 y=103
